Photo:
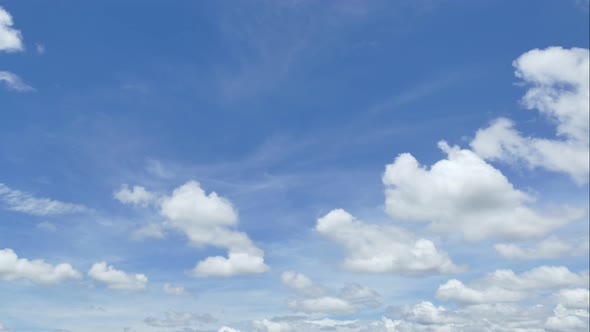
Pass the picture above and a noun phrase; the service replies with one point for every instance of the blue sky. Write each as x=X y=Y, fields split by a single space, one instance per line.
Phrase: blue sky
x=278 y=165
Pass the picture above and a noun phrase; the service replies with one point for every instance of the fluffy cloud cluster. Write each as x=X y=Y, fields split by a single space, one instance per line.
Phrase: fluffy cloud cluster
x=506 y=286
x=10 y=38
x=37 y=271
x=175 y=290
x=559 y=89
x=19 y=201
x=206 y=219
x=137 y=195
x=316 y=299
x=116 y=279
x=382 y=248
x=464 y=193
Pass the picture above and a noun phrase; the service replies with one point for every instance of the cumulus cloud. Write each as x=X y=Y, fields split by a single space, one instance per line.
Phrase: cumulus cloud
x=137 y=195
x=179 y=319
x=175 y=290
x=382 y=248
x=325 y=304
x=208 y=219
x=551 y=247
x=265 y=325
x=37 y=271
x=10 y=38
x=558 y=81
x=464 y=193
x=14 y=82
x=116 y=279
x=316 y=299
x=227 y=329
x=15 y=200
x=302 y=284
x=507 y=286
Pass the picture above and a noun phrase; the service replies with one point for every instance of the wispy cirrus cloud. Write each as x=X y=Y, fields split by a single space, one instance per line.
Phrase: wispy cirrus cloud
x=16 y=200
x=14 y=82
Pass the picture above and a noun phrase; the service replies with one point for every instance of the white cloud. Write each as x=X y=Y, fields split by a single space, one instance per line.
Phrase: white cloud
x=317 y=299
x=175 y=290
x=236 y=263
x=116 y=279
x=426 y=313
x=464 y=194
x=13 y=82
x=10 y=38
x=565 y=320
x=19 y=201
x=574 y=298
x=551 y=247
x=457 y=291
x=137 y=196
x=265 y=325
x=178 y=319
x=227 y=329
x=506 y=286
x=559 y=89
x=302 y=284
x=3 y=328
x=207 y=219
x=382 y=248
x=325 y=304
x=37 y=271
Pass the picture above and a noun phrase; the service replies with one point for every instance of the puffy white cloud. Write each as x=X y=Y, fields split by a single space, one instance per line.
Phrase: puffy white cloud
x=382 y=248
x=574 y=298
x=464 y=193
x=10 y=38
x=559 y=89
x=178 y=319
x=137 y=195
x=325 y=304
x=116 y=279
x=19 y=201
x=457 y=291
x=14 y=82
x=207 y=220
x=235 y=264
x=317 y=299
x=302 y=284
x=426 y=313
x=506 y=286
x=551 y=247
x=227 y=329
x=175 y=290
x=37 y=271
x=265 y=325
x=3 y=328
